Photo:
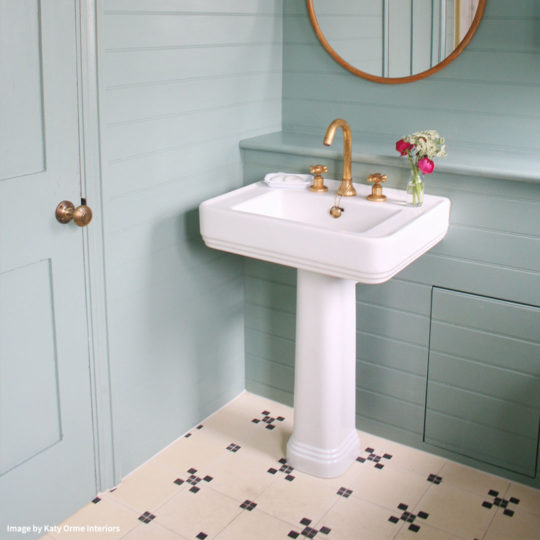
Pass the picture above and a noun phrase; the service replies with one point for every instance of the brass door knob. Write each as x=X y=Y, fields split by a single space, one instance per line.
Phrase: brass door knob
x=66 y=211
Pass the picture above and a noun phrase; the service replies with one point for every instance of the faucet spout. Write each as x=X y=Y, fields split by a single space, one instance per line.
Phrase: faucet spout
x=346 y=189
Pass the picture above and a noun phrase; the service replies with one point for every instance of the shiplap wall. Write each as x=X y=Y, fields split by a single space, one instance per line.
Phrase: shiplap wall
x=487 y=99
x=181 y=82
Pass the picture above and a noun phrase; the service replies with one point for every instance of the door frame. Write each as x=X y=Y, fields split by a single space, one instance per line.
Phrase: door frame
x=106 y=470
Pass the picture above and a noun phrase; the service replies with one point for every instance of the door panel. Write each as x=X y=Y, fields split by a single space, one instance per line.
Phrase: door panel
x=46 y=443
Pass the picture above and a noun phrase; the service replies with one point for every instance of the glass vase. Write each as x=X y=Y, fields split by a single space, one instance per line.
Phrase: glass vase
x=415 y=189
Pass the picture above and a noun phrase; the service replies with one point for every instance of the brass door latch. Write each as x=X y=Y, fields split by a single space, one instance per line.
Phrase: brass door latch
x=318 y=181
x=376 y=191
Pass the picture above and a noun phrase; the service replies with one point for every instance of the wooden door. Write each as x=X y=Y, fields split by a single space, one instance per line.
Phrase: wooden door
x=47 y=467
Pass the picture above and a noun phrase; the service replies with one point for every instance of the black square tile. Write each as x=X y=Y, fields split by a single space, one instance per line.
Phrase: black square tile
x=192 y=471
x=248 y=505
x=403 y=506
x=201 y=536
x=293 y=534
x=379 y=466
x=289 y=477
x=271 y=470
x=387 y=456
x=493 y=493
x=413 y=527
x=178 y=481
x=187 y=435
x=325 y=530
x=370 y=450
x=423 y=515
x=146 y=517
x=280 y=418
x=305 y=521
x=208 y=478
x=393 y=519
x=361 y=459
x=508 y=512
x=194 y=489
x=255 y=420
x=513 y=500
x=308 y=532
x=265 y=413
x=96 y=500
x=270 y=426
x=200 y=426
x=487 y=504
x=283 y=461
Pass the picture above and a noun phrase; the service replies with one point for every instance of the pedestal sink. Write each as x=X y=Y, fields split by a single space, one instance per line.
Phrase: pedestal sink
x=369 y=243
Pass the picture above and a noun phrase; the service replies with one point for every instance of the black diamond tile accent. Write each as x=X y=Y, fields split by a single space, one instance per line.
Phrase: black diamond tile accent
x=513 y=500
x=493 y=493
x=387 y=456
x=393 y=519
x=487 y=504
x=187 y=435
x=369 y=450
x=201 y=536
x=434 y=479
x=361 y=459
x=255 y=420
x=200 y=426
x=283 y=460
x=414 y=528
x=379 y=466
x=270 y=426
x=265 y=413
x=508 y=512
x=248 y=505
x=178 y=481
x=271 y=470
x=280 y=418
x=308 y=532
x=192 y=471
x=325 y=530
x=146 y=517
x=305 y=521
x=403 y=506
x=96 y=500
x=423 y=515
x=208 y=478
x=289 y=477
x=344 y=492
x=293 y=534
x=194 y=489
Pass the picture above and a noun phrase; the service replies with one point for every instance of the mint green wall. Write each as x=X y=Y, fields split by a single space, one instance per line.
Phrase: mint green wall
x=486 y=101
x=181 y=82
x=489 y=96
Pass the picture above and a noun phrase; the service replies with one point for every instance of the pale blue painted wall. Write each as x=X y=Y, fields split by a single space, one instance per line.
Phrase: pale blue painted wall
x=487 y=102
x=181 y=82
x=489 y=96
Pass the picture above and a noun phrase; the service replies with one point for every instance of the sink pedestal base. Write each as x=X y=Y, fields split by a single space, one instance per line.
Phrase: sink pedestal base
x=324 y=441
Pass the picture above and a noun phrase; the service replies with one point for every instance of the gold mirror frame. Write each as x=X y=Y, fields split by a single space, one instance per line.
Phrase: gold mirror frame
x=396 y=80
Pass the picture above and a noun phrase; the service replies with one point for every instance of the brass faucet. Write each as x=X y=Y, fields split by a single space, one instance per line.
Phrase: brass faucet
x=346 y=189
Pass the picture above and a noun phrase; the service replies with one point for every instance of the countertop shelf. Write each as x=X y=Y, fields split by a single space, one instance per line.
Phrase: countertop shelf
x=480 y=161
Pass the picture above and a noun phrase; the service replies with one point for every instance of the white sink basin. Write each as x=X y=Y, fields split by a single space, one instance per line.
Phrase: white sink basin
x=369 y=243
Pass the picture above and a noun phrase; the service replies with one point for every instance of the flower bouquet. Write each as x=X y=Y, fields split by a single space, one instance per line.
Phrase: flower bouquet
x=420 y=147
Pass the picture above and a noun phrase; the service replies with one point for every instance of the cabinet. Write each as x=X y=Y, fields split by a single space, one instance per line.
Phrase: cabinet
x=483 y=383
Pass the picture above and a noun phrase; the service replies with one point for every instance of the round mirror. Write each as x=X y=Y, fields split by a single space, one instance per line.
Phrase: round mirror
x=395 y=41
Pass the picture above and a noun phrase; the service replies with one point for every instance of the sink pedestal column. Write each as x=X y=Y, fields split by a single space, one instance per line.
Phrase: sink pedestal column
x=324 y=440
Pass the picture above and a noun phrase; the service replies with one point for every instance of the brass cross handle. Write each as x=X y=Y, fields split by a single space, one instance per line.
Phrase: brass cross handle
x=81 y=216
x=376 y=191
x=318 y=180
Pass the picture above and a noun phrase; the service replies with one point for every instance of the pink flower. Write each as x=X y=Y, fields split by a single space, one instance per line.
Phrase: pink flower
x=426 y=165
x=403 y=146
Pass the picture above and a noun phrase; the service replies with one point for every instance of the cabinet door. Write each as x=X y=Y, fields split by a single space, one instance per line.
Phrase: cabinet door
x=46 y=442
x=483 y=393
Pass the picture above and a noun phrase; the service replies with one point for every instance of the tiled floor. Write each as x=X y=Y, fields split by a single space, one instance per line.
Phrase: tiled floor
x=228 y=479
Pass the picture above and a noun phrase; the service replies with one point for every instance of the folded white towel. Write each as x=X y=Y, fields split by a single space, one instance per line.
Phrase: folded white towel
x=285 y=180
